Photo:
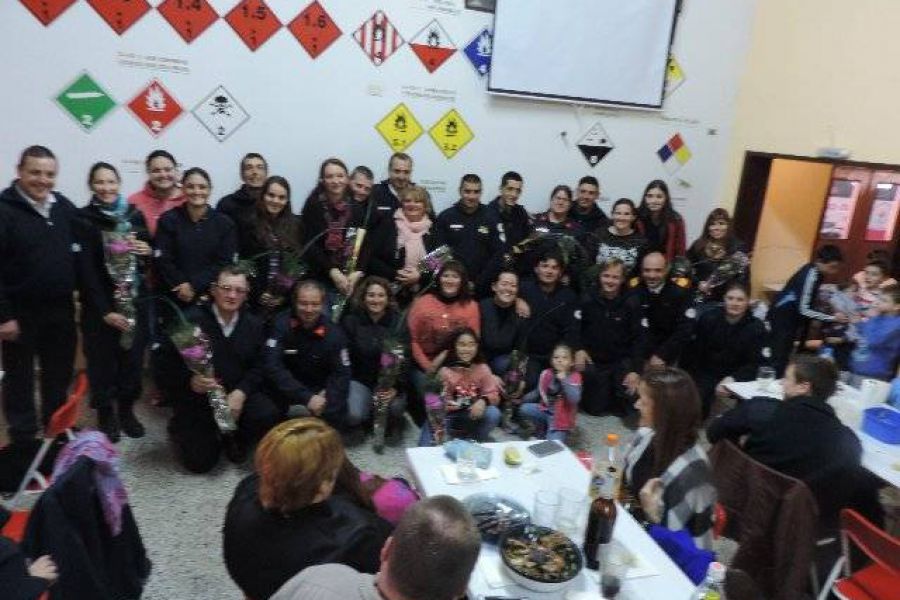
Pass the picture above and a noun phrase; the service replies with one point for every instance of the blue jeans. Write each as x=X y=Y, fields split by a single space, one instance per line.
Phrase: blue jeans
x=542 y=421
x=359 y=404
x=460 y=421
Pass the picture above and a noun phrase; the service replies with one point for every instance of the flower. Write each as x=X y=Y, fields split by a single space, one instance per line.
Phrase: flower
x=194 y=353
x=388 y=360
x=119 y=246
x=433 y=400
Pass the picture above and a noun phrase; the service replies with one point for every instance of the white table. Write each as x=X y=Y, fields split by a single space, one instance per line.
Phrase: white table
x=877 y=457
x=521 y=483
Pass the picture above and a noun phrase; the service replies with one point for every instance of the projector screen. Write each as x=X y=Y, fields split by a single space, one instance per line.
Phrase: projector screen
x=593 y=51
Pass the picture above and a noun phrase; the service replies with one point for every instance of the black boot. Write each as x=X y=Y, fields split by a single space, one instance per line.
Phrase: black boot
x=108 y=423
x=236 y=450
x=129 y=423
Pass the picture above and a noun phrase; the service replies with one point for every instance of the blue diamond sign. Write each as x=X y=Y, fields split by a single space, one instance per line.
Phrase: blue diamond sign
x=479 y=50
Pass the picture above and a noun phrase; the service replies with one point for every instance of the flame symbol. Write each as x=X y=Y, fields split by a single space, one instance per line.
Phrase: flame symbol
x=434 y=40
x=484 y=44
x=155 y=99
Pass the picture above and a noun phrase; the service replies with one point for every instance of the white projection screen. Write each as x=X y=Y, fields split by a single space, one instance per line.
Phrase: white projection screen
x=610 y=52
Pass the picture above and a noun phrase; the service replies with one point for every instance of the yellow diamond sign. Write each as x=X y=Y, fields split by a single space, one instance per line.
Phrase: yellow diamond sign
x=451 y=133
x=399 y=128
x=674 y=75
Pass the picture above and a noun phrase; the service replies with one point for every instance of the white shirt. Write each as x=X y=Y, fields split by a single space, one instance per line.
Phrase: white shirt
x=42 y=208
x=227 y=328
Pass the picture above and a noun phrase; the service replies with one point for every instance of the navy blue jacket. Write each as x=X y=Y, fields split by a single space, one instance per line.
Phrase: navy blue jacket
x=612 y=331
x=721 y=349
x=474 y=238
x=553 y=318
x=670 y=320
x=502 y=330
x=794 y=302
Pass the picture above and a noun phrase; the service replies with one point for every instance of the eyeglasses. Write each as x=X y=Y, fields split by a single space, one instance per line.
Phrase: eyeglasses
x=240 y=291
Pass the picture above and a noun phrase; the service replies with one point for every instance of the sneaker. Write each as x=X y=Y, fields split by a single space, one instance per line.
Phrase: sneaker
x=235 y=450
x=129 y=424
x=108 y=423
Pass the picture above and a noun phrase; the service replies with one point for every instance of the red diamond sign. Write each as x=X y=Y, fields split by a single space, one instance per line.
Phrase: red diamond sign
x=189 y=18
x=433 y=46
x=46 y=11
x=254 y=22
x=378 y=38
x=314 y=29
x=120 y=14
x=155 y=107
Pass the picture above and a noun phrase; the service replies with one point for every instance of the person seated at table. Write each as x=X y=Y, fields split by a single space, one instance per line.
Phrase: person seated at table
x=430 y=556
x=802 y=436
x=665 y=464
x=236 y=338
x=877 y=352
x=553 y=406
x=470 y=392
x=306 y=359
x=667 y=309
x=729 y=344
x=288 y=515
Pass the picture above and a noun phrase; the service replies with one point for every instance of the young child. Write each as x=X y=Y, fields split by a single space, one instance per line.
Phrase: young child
x=870 y=282
x=877 y=350
x=470 y=391
x=553 y=407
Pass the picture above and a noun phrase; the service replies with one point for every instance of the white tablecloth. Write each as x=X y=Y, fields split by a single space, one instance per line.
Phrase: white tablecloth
x=521 y=483
x=877 y=457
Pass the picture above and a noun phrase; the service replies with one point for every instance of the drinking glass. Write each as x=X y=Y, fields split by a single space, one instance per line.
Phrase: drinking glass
x=570 y=511
x=545 y=506
x=765 y=379
x=466 y=468
x=614 y=564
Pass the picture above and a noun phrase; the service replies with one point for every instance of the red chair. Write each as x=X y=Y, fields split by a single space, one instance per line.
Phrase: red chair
x=62 y=421
x=879 y=580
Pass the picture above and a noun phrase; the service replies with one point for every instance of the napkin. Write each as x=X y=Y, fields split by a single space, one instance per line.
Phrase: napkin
x=450 y=476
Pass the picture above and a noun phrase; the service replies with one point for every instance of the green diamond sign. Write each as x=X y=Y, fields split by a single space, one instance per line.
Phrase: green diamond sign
x=86 y=101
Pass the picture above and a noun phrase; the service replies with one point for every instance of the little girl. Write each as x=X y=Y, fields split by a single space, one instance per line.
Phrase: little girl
x=470 y=391
x=877 y=350
x=553 y=407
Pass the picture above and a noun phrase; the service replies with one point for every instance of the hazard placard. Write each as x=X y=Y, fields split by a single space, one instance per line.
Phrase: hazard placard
x=451 y=133
x=155 y=107
x=674 y=75
x=314 y=29
x=595 y=144
x=46 y=11
x=479 y=51
x=85 y=101
x=254 y=22
x=433 y=46
x=120 y=14
x=221 y=113
x=189 y=18
x=378 y=38
x=399 y=128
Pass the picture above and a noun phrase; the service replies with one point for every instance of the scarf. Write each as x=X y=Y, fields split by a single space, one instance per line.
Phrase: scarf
x=112 y=495
x=337 y=214
x=409 y=237
x=116 y=211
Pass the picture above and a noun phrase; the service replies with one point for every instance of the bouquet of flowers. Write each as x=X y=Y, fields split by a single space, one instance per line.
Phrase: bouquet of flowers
x=195 y=349
x=435 y=410
x=121 y=264
x=354 y=239
x=432 y=262
x=461 y=397
x=513 y=386
x=727 y=269
x=284 y=272
x=393 y=356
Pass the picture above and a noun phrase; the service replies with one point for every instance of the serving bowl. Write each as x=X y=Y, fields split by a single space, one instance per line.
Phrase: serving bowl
x=539 y=558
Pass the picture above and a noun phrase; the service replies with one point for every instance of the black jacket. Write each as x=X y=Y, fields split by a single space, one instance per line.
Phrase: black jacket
x=365 y=340
x=593 y=220
x=473 y=238
x=38 y=254
x=15 y=581
x=264 y=549
x=800 y=437
x=502 y=330
x=721 y=349
x=237 y=359
x=612 y=332
x=314 y=221
x=68 y=524
x=514 y=223
x=386 y=258
x=239 y=205
x=300 y=362
x=553 y=318
x=194 y=252
x=670 y=320
x=385 y=202
x=794 y=303
x=95 y=284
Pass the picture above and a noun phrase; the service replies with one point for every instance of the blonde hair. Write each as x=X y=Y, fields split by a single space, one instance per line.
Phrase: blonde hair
x=294 y=460
x=417 y=193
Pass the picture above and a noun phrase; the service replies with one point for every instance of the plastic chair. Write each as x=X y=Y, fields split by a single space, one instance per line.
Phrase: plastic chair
x=62 y=421
x=879 y=580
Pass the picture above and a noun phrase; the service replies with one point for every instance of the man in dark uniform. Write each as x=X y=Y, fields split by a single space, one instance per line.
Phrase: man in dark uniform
x=37 y=279
x=307 y=360
x=469 y=228
x=240 y=204
x=586 y=212
x=236 y=337
x=668 y=314
x=386 y=194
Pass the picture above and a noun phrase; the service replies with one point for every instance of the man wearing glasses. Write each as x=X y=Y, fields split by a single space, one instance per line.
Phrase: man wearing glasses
x=236 y=338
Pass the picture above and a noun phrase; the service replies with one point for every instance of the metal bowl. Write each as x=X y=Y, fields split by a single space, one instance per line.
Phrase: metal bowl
x=495 y=515
x=529 y=580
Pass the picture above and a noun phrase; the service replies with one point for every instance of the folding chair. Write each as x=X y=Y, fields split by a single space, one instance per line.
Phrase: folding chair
x=879 y=580
x=62 y=421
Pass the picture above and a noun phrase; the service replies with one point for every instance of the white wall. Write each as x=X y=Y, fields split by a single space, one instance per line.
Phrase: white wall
x=303 y=110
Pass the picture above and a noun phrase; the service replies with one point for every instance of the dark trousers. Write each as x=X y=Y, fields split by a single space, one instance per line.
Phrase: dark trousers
x=197 y=438
x=603 y=392
x=48 y=335
x=114 y=373
x=783 y=332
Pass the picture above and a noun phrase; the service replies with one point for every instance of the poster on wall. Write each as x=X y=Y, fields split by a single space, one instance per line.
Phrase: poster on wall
x=839 y=209
x=85 y=101
x=433 y=46
x=451 y=133
x=314 y=29
x=155 y=107
x=595 y=144
x=399 y=128
x=189 y=18
x=120 y=14
x=674 y=154
x=378 y=38
x=478 y=51
x=220 y=113
x=254 y=22
x=46 y=11
x=883 y=218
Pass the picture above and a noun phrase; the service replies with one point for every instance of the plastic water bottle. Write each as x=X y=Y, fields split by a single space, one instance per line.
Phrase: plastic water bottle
x=713 y=587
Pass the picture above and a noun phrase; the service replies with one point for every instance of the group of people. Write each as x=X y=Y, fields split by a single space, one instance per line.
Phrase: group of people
x=370 y=305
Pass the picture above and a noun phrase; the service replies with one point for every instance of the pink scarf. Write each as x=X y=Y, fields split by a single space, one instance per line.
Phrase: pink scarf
x=409 y=237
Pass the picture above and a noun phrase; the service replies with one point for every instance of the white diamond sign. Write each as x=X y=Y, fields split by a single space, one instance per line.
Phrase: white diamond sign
x=595 y=144
x=220 y=113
